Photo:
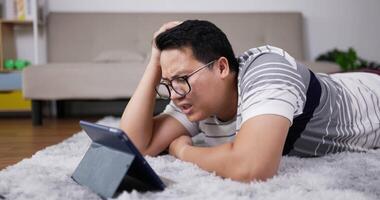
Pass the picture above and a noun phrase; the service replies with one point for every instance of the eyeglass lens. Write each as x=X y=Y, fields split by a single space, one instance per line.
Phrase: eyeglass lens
x=180 y=86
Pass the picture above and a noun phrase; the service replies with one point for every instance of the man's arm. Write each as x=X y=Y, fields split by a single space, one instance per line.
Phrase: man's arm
x=254 y=155
x=150 y=135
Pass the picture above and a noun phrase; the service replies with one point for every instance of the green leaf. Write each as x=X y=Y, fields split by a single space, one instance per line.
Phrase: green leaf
x=347 y=60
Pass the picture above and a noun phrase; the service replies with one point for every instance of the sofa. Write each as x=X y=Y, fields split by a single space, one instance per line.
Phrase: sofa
x=102 y=56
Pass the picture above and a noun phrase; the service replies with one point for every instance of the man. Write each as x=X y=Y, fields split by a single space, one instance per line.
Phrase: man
x=252 y=110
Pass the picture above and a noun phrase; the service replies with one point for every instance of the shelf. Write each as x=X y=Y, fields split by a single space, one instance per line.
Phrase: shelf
x=7 y=40
x=6 y=71
x=15 y=21
x=11 y=98
x=11 y=81
x=14 y=101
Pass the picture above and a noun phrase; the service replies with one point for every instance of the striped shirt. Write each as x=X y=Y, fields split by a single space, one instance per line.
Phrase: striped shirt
x=328 y=113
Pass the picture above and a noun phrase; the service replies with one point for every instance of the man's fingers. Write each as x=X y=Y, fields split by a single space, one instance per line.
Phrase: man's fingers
x=171 y=24
x=167 y=26
x=174 y=23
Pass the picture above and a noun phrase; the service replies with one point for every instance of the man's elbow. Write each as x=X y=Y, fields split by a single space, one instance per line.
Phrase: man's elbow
x=252 y=174
x=146 y=152
x=143 y=149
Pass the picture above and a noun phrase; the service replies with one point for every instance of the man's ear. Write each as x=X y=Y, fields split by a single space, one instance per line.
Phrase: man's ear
x=223 y=67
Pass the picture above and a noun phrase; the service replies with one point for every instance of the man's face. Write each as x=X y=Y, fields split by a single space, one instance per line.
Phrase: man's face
x=198 y=103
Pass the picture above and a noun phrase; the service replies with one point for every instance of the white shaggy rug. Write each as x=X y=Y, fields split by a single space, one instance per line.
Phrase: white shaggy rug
x=46 y=175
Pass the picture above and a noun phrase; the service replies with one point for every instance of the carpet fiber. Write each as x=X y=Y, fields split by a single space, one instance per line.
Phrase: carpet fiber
x=46 y=175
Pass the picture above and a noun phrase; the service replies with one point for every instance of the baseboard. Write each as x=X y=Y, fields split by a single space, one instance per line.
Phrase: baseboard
x=78 y=108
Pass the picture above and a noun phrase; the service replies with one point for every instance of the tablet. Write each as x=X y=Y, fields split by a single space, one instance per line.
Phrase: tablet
x=113 y=163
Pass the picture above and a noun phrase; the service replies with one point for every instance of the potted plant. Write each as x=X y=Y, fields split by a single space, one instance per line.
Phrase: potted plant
x=347 y=60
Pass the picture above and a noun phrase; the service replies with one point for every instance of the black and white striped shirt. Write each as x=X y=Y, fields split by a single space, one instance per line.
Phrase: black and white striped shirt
x=329 y=113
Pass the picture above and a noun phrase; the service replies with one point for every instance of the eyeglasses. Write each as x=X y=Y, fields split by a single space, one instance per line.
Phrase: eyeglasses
x=180 y=85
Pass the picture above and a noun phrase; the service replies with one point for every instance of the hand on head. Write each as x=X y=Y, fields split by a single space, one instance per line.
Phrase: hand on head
x=156 y=53
x=163 y=28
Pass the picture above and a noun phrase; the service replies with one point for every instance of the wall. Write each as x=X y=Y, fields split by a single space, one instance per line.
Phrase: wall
x=327 y=23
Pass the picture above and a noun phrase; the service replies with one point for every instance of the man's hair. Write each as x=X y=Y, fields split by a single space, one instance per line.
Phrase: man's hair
x=206 y=41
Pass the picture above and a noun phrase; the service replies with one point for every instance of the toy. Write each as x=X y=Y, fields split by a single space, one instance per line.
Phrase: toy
x=18 y=64
x=8 y=64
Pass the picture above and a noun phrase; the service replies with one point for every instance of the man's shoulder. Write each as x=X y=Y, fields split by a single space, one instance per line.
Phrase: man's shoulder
x=259 y=56
x=266 y=63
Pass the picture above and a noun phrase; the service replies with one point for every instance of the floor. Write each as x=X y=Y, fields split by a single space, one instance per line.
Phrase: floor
x=19 y=139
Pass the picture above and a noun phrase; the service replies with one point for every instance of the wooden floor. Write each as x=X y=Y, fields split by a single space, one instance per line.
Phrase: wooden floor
x=19 y=139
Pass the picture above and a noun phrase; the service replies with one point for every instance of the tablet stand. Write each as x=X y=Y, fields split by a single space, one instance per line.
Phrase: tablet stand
x=108 y=171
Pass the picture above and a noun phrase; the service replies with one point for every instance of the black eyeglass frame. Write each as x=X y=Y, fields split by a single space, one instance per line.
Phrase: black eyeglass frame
x=185 y=78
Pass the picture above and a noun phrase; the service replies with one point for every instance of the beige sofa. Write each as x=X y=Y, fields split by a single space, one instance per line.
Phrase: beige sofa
x=103 y=55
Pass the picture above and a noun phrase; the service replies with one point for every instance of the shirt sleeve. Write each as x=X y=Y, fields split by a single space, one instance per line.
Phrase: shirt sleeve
x=271 y=85
x=172 y=110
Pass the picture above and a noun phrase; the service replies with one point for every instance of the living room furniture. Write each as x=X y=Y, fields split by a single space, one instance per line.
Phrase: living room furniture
x=103 y=55
x=8 y=40
x=11 y=99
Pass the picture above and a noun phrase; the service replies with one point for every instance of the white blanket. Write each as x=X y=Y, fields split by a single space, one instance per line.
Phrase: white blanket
x=46 y=175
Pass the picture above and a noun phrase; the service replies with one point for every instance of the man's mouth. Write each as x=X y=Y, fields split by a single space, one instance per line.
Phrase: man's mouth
x=186 y=108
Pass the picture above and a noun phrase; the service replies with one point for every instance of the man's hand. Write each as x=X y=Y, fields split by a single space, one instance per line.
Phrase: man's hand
x=178 y=146
x=155 y=58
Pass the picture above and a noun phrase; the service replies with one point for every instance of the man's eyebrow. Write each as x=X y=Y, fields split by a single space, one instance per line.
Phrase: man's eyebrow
x=181 y=74
x=177 y=75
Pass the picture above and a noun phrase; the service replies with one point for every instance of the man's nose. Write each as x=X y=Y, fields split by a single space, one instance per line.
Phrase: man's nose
x=174 y=95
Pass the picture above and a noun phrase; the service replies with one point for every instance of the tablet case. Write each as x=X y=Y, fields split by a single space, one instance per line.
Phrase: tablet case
x=113 y=164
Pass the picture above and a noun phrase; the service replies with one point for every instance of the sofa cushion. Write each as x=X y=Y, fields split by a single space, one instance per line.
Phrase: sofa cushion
x=58 y=81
